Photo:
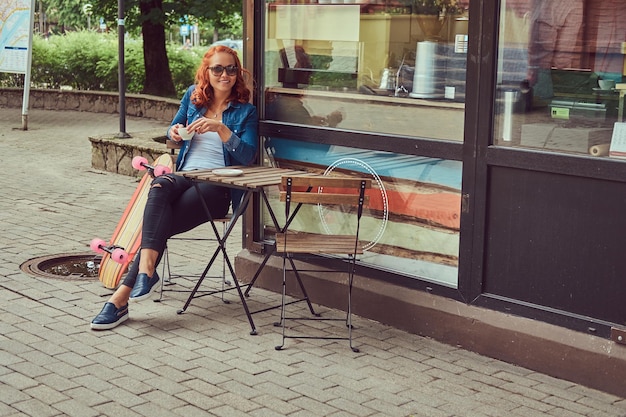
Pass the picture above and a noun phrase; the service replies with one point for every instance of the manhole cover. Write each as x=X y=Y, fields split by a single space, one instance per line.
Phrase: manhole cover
x=67 y=266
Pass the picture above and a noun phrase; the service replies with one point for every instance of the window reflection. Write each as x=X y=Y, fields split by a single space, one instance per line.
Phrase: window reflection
x=390 y=66
x=297 y=69
x=411 y=223
x=563 y=94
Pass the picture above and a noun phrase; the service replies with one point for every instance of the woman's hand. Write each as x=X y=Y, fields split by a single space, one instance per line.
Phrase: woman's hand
x=205 y=124
x=174 y=132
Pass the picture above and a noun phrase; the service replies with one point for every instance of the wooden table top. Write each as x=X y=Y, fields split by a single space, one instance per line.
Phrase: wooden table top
x=252 y=177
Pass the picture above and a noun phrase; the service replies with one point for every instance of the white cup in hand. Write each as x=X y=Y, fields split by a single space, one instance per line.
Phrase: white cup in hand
x=182 y=131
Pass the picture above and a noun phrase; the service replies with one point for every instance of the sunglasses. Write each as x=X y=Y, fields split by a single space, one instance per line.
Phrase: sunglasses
x=219 y=69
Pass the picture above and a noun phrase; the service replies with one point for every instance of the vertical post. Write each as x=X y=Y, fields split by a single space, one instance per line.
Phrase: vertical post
x=501 y=46
x=121 y=79
x=29 y=62
x=41 y=26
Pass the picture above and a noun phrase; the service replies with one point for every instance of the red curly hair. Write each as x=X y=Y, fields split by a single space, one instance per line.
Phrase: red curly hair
x=203 y=95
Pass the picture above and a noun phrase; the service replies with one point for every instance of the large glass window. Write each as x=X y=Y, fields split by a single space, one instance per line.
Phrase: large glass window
x=560 y=75
x=411 y=223
x=389 y=66
x=384 y=66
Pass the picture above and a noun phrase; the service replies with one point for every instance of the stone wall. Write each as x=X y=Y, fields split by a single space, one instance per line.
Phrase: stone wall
x=112 y=154
x=108 y=152
x=137 y=105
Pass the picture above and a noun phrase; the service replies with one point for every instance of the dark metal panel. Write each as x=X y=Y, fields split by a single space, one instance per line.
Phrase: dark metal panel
x=579 y=165
x=479 y=105
x=255 y=25
x=363 y=140
x=557 y=241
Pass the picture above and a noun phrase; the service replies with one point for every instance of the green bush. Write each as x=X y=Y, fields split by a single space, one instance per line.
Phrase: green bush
x=183 y=65
x=89 y=61
x=134 y=71
x=80 y=53
x=46 y=64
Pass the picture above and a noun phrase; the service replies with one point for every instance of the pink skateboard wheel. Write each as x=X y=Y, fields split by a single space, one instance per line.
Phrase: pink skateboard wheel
x=119 y=255
x=161 y=170
x=139 y=162
x=97 y=244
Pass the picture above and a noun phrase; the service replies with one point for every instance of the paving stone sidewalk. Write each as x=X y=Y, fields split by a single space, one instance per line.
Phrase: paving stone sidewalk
x=203 y=362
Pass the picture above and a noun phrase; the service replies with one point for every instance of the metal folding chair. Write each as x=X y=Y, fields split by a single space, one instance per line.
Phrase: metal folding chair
x=337 y=195
x=169 y=277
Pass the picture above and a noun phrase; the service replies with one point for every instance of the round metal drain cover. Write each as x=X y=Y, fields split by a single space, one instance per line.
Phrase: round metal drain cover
x=66 y=266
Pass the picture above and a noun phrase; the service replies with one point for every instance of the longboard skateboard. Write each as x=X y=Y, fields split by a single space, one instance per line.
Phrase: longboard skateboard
x=124 y=244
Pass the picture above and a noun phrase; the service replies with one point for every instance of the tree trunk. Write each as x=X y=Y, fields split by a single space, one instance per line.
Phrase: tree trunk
x=158 y=80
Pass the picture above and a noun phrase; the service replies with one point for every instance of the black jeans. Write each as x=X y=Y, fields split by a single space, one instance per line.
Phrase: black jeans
x=174 y=207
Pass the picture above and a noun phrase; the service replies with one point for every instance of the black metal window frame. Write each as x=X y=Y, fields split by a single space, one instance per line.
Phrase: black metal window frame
x=476 y=152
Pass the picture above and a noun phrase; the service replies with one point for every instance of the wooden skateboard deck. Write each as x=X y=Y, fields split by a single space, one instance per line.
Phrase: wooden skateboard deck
x=127 y=234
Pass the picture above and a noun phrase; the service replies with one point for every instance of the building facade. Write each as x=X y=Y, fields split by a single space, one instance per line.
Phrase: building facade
x=493 y=130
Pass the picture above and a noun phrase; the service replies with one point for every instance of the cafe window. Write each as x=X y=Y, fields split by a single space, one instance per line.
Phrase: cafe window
x=381 y=66
x=385 y=66
x=560 y=76
x=411 y=222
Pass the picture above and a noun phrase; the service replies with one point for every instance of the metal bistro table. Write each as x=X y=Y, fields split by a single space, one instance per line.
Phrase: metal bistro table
x=253 y=179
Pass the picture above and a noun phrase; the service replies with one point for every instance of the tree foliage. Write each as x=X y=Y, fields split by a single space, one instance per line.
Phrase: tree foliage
x=149 y=18
x=66 y=13
x=86 y=60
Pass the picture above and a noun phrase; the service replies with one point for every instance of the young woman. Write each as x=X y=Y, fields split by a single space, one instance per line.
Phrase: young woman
x=224 y=125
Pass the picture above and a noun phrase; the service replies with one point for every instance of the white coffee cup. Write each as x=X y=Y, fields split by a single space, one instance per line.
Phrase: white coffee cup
x=182 y=131
x=606 y=84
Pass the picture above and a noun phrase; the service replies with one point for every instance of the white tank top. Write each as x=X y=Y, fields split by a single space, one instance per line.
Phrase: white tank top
x=205 y=152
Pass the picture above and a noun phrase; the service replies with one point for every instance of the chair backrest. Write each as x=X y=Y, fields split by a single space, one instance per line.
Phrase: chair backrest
x=330 y=190
x=325 y=190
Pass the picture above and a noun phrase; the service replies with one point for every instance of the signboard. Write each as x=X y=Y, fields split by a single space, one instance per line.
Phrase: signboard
x=15 y=25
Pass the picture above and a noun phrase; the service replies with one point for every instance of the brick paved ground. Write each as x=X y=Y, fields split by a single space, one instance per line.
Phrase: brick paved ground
x=204 y=362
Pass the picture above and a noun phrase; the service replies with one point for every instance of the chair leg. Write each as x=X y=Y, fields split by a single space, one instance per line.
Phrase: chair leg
x=224 y=280
x=305 y=295
x=168 y=276
x=283 y=314
x=349 y=316
x=282 y=305
x=164 y=277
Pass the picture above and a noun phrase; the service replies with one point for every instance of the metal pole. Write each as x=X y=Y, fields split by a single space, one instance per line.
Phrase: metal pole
x=121 y=80
x=29 y=64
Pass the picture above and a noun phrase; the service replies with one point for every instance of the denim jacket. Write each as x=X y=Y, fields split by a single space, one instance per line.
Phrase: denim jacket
x=240 y=149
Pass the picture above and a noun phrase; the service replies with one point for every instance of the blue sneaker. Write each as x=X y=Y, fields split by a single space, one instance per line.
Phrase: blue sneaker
x=144 y=286
x=110 y=317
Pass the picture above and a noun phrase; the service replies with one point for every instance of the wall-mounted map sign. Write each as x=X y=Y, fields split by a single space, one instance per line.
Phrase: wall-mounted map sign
x=15 y=26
